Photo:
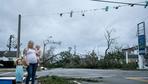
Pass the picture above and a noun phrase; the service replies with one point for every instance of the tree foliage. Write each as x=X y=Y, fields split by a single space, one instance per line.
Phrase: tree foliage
x=114 y=59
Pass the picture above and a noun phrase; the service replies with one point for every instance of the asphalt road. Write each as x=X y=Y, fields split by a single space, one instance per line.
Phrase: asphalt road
x=109 y=76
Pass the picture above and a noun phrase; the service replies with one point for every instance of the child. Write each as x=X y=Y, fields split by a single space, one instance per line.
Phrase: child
x=38 y=53
x=19 y=71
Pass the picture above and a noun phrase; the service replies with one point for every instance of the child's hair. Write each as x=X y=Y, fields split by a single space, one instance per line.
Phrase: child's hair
x=18 y=60
x=37 y=46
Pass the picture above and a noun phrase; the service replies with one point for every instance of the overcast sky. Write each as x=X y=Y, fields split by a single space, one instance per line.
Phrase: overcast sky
x=40 y=20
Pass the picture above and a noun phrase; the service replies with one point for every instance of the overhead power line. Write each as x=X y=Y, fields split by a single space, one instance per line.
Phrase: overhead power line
x=122 y=4
x=106 y=8
x=132 y=4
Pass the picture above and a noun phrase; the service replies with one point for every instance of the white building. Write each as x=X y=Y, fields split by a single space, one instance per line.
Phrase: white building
x=131 y=54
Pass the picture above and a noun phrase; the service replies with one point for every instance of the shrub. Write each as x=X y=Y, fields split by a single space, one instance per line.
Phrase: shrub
x=54 y=80
x=130 y=66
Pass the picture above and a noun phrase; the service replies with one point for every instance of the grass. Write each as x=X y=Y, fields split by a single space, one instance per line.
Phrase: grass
x=86 y=79
x=54 y=80
x=65 y=80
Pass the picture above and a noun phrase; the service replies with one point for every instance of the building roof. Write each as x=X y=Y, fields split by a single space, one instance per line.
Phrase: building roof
x=132 y=55
x=130 y=48
x=8 y=53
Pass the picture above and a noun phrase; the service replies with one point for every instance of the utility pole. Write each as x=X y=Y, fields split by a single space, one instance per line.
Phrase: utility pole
x=141 y=44
x=10 y=40
x=9 y=45
x=75 y=49
x=20 y=68
x=44 y=44
x=18 y=37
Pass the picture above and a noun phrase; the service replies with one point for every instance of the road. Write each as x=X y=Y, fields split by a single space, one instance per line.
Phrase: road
x=109 y=76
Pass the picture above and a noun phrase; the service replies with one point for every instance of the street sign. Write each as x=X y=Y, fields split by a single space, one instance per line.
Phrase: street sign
x=141 y=42
x=141 y=38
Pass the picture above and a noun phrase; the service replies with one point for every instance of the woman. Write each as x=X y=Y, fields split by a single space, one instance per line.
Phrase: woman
x=31 y=60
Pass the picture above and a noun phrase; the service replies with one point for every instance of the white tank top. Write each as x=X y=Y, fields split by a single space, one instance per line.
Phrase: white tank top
x=31 y=56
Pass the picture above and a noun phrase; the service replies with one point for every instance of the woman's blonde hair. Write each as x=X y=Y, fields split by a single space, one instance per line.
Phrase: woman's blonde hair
x=30 y=44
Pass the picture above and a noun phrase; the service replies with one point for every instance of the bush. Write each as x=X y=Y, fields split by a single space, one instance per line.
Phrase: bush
x=130 y=66
x=54 y=80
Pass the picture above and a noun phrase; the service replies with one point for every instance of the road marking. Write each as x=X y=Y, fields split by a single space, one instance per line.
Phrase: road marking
x=76 y=82
x=143 y=79
x=5 y=73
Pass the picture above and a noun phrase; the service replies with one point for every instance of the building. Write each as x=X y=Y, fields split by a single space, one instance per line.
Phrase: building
x=8 y=55
x=132 y=54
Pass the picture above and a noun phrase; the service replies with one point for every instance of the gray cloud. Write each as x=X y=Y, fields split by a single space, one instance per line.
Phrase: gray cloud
x=39 y=21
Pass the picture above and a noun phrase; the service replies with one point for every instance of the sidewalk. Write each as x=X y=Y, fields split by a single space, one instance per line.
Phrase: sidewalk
x=143 y=79
x=7 y=69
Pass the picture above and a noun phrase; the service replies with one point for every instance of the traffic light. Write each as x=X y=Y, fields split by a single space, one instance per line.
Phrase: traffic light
x=107 y=7
x=71 y=13
x=146 y=4
x=61 y=14
x=83 y=14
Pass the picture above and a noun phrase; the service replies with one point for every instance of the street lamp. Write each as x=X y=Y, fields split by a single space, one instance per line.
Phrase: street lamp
x=48 y=41
x=45 y=42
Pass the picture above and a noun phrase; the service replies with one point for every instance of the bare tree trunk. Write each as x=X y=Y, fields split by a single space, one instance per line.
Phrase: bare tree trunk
x=109 y=40
x=106 y=51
